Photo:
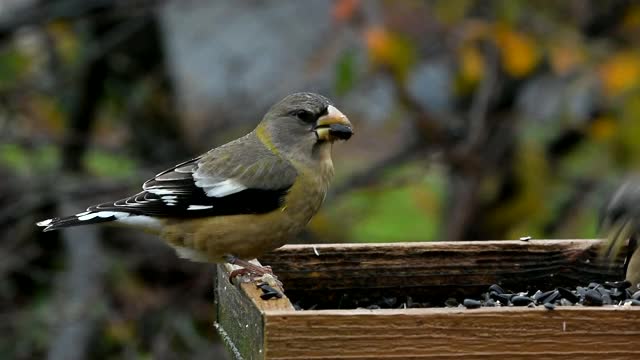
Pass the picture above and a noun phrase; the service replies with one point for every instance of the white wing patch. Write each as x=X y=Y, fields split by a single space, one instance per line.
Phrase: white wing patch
x=45 y=222
x=122 y=217
x=161 y=191
x=219 y=188
x=102 y=214
x=141 y=221
x=199 y=207
x=170 y=200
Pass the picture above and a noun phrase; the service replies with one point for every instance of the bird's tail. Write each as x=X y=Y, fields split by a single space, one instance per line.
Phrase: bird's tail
x=84 y=218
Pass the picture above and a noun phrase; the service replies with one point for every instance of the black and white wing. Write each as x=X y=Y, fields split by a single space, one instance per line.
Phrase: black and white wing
x=221 y=182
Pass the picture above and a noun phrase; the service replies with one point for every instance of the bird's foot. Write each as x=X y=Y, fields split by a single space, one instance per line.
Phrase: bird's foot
x=250 y=273
x=253 y=272
x=250 y=276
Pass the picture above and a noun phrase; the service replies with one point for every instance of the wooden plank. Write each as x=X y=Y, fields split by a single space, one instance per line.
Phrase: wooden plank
x=238 y=321
x=258 y=329
x=345 y=266
x=440 y=333
x=439 y=269
x=240 y=310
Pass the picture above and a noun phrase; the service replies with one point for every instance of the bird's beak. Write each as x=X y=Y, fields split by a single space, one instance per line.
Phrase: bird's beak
x=333 y=126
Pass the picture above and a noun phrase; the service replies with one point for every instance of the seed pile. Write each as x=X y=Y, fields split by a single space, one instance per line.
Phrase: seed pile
x=617 y=293
x=369 y=303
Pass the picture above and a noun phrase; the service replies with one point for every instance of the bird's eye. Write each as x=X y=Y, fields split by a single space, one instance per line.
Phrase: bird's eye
x=303 y=115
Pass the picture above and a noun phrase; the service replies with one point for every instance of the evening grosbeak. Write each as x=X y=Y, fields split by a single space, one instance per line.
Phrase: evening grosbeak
x=621 y=220
x=241 y=199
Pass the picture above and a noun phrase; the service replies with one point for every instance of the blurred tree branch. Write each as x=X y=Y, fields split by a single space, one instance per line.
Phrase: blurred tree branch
x=82 y=282
x=466 y=180
x=40 y=12
x=79 y=292
x=478 y=111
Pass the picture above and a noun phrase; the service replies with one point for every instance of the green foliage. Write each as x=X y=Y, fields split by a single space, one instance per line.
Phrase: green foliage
x=110 y=165
x=13 y=65
x=47 y=158
x=345 y=72
x=406 y=207
x=29 y=161
x=450 y=12
x=394 y=215
x=15 y=157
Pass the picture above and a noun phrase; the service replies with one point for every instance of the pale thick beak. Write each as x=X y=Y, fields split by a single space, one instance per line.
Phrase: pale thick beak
x=333 y=126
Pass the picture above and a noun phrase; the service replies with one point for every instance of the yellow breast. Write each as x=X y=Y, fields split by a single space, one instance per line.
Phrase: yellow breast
x=249 y=236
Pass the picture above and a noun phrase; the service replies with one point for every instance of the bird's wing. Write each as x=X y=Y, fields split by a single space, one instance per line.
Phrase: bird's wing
x=621 y=221
x=233 y=179
x=241 y=177
x=620 y=218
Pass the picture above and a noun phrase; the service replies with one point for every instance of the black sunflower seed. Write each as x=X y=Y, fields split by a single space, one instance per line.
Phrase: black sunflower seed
x=567 y=294
x=471 y=304
x=593 y=298
x=521 y=300
x=496 y=288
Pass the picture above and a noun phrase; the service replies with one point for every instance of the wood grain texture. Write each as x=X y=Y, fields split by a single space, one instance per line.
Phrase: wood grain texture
x=438 y=269
x=238 y=321
x=240 y=314
x=447 y=263
x=438 y=333
x=258 y=329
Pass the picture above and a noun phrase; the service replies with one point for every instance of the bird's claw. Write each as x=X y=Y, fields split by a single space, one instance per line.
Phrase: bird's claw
x=249 y=272
x=261 y=275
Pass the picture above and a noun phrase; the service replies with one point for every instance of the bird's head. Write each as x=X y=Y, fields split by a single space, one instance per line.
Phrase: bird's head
x=302 y=121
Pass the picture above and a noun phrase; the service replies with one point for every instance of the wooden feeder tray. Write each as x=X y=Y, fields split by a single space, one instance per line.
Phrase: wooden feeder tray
x=322 y=275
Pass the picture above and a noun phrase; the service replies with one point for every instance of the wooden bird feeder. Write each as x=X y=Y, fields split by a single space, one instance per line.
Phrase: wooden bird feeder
x=322 y=276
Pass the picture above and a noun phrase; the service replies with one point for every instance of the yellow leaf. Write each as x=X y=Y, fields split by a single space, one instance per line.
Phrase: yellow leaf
x=471 y=66
x=470 y=58
x=620 y=72
x=391 y=50
x=518 y=51
x=603 y=128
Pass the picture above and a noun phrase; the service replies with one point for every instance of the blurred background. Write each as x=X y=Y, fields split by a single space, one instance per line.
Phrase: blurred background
x=474 y=120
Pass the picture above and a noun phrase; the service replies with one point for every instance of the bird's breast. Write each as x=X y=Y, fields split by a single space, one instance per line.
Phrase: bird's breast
x=251 y=235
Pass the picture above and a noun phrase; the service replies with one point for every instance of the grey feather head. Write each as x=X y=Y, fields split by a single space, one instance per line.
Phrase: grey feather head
x=290 y=122
x=305 y=107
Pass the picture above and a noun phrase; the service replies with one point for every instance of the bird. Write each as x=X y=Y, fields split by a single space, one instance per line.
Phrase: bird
x=621 y=222
x=241 y=199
